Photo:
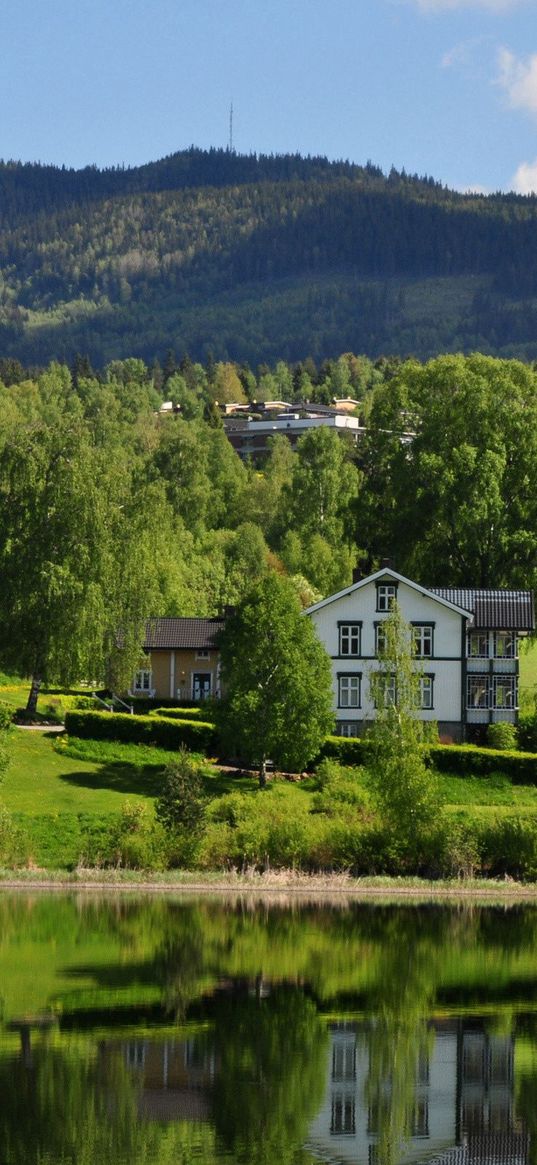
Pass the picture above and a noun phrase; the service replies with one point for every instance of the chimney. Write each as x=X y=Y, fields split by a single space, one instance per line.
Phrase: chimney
x=386 y=564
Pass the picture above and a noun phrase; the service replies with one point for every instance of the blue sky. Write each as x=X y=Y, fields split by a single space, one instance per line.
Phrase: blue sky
x=441 y=87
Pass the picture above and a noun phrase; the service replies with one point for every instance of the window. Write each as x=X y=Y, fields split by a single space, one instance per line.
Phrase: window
x=505 y=644
x=478 y=645
x=386 y=596
x=380 y=639
x=426 y=693
x=505 y=692
x=343 y=1114
x=478 y=691
x=385 y=690
x=202 y=654
x=422 y=640
x=347 y=728
x=349 y=638
x=143 y=681
x=344 y=1059
x=349 y=691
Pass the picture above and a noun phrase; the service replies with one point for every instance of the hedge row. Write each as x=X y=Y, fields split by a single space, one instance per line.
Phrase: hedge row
x=468 y=760
x=158 y=730
x=464 y=760
x=179 y=713
x=348 y=750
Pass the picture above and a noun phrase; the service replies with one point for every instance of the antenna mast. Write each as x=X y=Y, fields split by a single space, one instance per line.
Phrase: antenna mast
x=231 y=128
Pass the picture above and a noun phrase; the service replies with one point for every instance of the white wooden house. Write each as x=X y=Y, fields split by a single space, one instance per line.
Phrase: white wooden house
x=466 y=644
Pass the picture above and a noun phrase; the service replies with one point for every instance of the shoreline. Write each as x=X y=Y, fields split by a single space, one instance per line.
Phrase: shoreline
x=277 y=884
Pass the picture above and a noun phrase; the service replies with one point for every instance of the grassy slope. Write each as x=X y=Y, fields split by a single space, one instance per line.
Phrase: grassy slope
x=44 y=780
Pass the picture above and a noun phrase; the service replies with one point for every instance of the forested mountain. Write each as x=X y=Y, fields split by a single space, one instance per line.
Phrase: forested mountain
x=259 y=258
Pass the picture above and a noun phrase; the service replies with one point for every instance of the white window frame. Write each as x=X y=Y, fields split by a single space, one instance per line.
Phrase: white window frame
x=387 y=682
x=426 y=693
x=203 y=654
x=509 y=683
x=510 y=640
x=475 y=680
x=347 y=728
x=423 y=640
x=349 y=690
x=386 y=596
x=142 y=684
x=350 y=639
x=380 y=639
x=474 y=635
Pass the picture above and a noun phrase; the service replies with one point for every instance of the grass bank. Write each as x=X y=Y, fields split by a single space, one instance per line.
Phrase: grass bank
x=276 y=884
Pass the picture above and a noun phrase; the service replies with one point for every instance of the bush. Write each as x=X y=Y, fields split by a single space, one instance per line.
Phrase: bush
x=158 y=730
x=527 y=732
x=470 y=760
x=347 y=750
x=181 y=713
x=182 y=802
x=136 y=841
x=338 y=785
x=502 y=736
x=508 y=846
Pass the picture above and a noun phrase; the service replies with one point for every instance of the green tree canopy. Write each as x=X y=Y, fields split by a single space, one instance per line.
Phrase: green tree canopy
x=276 y=680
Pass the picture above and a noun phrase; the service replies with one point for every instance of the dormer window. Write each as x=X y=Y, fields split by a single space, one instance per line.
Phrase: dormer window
x=386 y=596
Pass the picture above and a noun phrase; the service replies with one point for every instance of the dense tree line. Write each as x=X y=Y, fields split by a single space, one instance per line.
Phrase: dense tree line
x=112 y=511
x=259 y=257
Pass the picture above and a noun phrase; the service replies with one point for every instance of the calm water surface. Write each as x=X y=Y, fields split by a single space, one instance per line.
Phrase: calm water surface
x=212 y=1032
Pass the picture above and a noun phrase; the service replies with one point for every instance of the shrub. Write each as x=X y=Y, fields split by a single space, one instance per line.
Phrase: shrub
x=347 y=750
x=527 y=732
x=508 y=846
x=158 y=730
x=502 y=736
x=182 y=802
x=469 y=760
x=180 y=713
x=338 y=785
x=136 y=840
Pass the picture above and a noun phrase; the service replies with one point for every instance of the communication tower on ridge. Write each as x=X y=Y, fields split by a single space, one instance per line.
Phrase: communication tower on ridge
x=231 y=128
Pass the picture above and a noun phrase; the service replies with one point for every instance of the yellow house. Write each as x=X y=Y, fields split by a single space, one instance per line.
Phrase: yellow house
x=183 y=661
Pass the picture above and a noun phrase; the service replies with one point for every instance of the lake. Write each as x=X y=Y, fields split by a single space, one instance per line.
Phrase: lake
x=215 y=1031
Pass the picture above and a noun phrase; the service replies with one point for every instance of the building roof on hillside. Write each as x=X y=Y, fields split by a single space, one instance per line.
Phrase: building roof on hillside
x=493 y=609
x=176 y=633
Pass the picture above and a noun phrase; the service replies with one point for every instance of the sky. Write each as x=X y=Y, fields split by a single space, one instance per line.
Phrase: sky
x=446 y=88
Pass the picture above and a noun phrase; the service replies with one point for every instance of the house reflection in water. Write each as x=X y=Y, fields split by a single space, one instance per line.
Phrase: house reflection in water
x=460 y=1102
x=461 y=1107
x=175 y=1076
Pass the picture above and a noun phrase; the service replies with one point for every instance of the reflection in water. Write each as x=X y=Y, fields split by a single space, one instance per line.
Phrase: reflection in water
x=207 y=1033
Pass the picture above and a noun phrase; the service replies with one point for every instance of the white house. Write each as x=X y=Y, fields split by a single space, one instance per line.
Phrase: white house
x=465 y=641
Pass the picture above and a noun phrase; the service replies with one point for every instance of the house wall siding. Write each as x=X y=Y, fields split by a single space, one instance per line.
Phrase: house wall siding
x=173 y=671
x=360 y=605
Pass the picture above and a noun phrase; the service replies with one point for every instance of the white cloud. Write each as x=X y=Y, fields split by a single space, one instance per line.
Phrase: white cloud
x=524 y=180
x=519 y=80
x=475 y=188
x=464 y=54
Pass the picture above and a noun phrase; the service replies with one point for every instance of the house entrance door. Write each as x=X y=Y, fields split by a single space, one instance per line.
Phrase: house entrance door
x=201 y=685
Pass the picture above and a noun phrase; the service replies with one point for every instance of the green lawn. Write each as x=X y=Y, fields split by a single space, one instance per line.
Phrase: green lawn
x=40 y=780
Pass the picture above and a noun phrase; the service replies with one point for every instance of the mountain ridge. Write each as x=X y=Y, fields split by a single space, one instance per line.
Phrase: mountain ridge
x=91 y=260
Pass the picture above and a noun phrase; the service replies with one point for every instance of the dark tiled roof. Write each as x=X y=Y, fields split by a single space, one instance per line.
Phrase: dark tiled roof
x=493 y=610
x=190 y=634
